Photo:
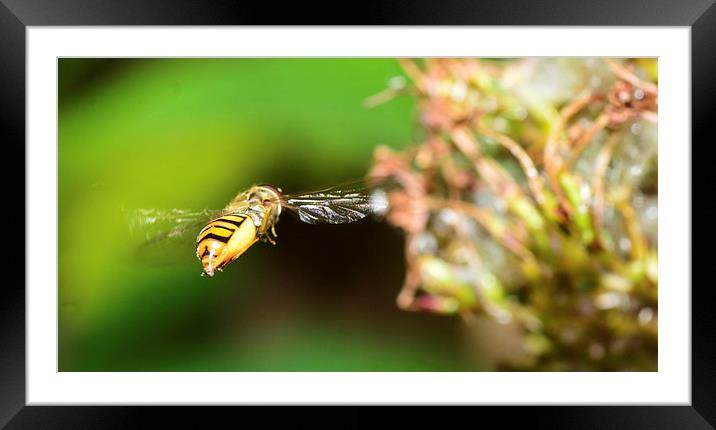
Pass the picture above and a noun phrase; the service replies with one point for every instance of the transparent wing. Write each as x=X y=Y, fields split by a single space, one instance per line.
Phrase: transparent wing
x=166 y=236
x=341 y=204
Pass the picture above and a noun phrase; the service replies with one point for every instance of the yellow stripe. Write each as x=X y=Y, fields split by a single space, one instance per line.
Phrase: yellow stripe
x=232 y=217
x=214 y=232
x=221 y=231
x=221 y=223
x=217 y=231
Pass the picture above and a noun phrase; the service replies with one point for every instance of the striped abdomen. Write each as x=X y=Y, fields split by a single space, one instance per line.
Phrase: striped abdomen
x=223 y=240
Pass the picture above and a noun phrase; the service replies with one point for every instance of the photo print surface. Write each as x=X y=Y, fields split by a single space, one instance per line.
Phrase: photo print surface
x=358 y=214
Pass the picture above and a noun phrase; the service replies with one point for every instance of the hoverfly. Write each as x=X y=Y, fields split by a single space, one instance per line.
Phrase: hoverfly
x=252 y=216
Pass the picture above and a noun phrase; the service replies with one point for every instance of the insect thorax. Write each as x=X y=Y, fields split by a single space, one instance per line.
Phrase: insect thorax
x=262 y=203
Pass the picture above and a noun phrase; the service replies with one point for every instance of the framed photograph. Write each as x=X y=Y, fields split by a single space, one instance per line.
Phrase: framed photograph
x=446 y=208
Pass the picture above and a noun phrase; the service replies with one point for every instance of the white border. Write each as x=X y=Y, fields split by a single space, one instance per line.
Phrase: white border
x=670 y=385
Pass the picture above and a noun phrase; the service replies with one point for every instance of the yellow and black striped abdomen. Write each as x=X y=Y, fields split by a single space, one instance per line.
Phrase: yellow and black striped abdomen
x=223 y=240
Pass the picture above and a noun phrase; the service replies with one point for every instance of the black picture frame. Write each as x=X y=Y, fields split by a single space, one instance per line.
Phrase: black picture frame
x=16 y=15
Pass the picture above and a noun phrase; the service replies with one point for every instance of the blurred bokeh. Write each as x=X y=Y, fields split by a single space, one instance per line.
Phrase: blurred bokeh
x=522 y=235
x=190 y=134
x=530 y=207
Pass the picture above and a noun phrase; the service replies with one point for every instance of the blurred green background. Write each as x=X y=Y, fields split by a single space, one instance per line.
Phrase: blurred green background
x=191 y=133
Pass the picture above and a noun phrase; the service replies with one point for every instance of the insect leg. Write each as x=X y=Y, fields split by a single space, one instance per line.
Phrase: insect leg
x=270 y=236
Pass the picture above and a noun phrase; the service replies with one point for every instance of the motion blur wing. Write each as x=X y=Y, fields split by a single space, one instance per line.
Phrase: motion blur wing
x=341 y=204
x=166 y=236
